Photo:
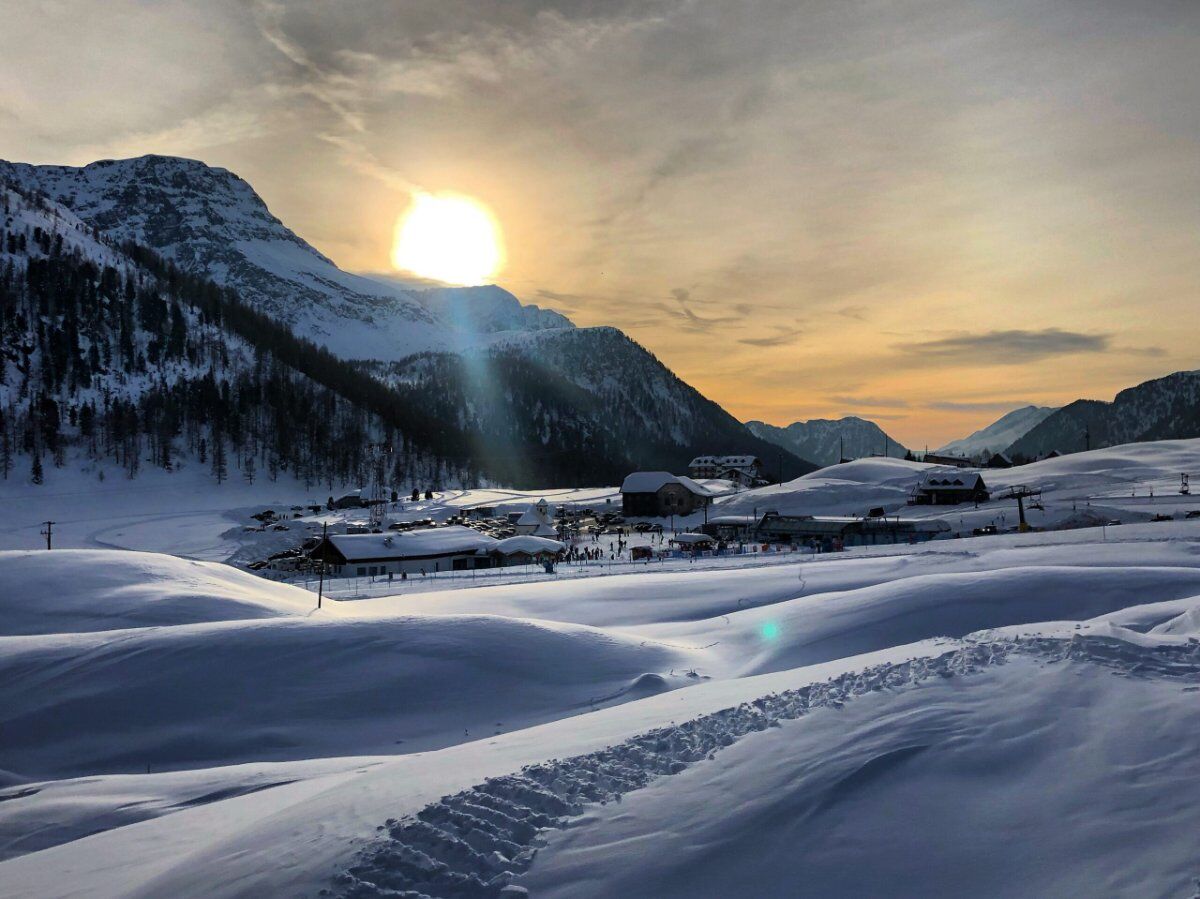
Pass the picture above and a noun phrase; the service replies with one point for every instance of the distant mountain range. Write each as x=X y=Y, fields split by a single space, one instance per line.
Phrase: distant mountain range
x=824 y=440
x=1162 y=409
x=504 y=391
x=1000 y=434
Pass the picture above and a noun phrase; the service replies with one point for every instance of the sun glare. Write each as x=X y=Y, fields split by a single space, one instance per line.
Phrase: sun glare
x=448 y=238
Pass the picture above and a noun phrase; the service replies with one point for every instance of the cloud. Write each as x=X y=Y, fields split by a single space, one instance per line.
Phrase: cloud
x=885 y=402
x=689 y=320
x=858 y=313
x=1013 y=347
x=784 y=337
x=570 y=300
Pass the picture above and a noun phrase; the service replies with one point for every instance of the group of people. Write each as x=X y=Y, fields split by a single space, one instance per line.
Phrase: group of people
x=587 y=554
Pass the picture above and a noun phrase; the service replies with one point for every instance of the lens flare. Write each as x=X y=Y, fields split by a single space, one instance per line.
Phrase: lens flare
x=448 y=238
x=769 y=630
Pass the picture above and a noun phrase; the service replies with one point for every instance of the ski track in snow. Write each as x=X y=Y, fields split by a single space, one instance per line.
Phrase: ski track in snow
x=476 y=842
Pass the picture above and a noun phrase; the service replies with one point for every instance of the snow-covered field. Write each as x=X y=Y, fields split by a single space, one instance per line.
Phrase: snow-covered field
x=1013 y=715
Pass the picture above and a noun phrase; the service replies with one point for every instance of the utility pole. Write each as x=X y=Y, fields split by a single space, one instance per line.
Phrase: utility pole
x=48 y=533
x=324 y=552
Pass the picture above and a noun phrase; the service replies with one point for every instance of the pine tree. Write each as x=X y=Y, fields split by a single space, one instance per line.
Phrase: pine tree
x=220 y=469
x=36 y=470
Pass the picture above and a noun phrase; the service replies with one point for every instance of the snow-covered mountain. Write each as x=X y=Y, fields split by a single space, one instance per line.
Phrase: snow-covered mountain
x=108 y=358
x=823 y=440
x=1163 y=409
x=208 y=221
x=510 y=392
x=1000 y=434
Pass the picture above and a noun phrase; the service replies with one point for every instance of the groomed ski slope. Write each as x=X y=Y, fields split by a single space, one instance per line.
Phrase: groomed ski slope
x=1013 y=715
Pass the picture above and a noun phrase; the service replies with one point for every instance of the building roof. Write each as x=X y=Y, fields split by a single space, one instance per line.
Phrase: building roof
x=723 y=461
x=423 y=543
x=532 y=516
x=653 y=481
x=691 y=539
x=956 y=480
x=526 y=543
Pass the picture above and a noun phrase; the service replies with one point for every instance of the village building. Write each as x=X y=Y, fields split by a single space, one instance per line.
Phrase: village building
x=428 y=551
x=525 y=549
x=693 y=543
x=659 y=494
x=836 y=532
x=745 y=471
x=731 y=528
x=352 y=500
x=952 y=461
x=535 y=521
x=941 y=488
x=998 y=460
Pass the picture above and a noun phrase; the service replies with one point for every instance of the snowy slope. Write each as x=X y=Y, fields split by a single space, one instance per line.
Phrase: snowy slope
x=211 y=222
x=1000 y=434
x=84 y=591
x=824 y=441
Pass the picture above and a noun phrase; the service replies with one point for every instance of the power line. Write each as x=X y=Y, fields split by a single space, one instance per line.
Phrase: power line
x=48 y=533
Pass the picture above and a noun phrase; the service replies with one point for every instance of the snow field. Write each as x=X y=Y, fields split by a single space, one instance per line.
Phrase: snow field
x=476 y=842
x=656 y=733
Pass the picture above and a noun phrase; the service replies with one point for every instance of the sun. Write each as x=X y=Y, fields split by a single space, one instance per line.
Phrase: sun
x=449 y=238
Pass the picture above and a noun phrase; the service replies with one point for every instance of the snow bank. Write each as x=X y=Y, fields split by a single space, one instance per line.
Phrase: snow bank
x=291 y=688
x=75 y=591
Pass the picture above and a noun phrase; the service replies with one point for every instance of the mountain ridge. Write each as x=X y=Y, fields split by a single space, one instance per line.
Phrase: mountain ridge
x=1000 y=434
x=824 y=440
x=209 y=221
x=1166 y=408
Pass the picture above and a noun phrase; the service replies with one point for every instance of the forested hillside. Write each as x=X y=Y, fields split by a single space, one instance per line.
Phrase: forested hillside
x=113 y=355
x=1162 y=409
x=580 y=406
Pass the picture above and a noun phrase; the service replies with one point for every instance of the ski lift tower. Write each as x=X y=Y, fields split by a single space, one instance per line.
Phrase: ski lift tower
x=381 y=453
x=1020 y=493
x=1185 y=488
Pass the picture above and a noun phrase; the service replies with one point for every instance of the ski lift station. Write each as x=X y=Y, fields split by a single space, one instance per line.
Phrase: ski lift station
x=847 y=530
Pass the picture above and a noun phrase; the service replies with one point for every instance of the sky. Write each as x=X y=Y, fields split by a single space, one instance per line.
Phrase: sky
x=925 y=213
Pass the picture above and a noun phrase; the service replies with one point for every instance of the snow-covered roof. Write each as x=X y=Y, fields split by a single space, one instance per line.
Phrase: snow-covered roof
x=723 y=461
x=527 y=543
x=953 y=480
x=532 y=516
x=653 y=481
x=691 y=539
x=412 y=544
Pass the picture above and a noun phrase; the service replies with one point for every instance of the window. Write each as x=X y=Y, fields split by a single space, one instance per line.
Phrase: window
x=361 y=570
